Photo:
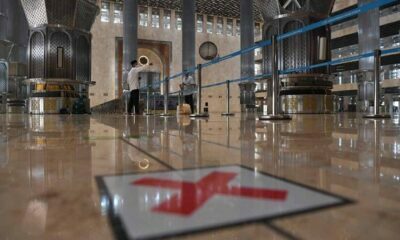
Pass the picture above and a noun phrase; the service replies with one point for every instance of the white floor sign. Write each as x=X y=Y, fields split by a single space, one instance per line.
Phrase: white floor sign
x=165 y=204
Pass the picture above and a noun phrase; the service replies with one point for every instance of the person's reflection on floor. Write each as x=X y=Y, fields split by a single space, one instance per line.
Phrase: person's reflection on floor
x=132 y=133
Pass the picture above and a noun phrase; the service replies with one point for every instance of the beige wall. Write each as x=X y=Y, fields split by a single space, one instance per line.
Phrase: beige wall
x=104 y=65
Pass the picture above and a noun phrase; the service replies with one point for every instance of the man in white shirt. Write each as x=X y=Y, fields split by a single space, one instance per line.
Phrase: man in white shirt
x=133 y=83
x=188 y=86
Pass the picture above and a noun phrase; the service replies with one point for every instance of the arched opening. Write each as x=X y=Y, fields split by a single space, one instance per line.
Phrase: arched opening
x=159 y=53
x=154 y=58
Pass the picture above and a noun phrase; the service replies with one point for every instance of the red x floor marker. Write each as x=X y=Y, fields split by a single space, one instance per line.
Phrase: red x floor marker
x=194 y=195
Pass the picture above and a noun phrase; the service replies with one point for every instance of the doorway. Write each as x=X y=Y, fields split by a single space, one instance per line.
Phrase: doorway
x=158 y=52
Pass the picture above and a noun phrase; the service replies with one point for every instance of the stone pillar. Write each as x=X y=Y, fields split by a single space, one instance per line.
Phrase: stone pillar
x=247 y=60
x=369 y=40
x=188 y=34
x=130 y=35
x=368 y=34
x=246 y=37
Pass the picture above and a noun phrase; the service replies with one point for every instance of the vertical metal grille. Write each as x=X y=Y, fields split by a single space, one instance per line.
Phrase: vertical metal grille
x=271 y=30
x=60 y=40
x=85 y=15
x=82 y=59
x=37 y=56
x=3 y=77
x=294 y=48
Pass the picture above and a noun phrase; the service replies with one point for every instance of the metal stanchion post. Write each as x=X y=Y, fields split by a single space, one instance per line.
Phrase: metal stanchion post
x=377 y=89
x=148 y=102
x=125 y=102
x=154 y=103
x=276 y=111
x=199 y=113
x=228 y=100
x=166 y=95
x=125 y=95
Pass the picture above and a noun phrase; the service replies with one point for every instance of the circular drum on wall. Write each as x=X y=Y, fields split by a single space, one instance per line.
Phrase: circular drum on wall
x=208 y=51
x=144 y=60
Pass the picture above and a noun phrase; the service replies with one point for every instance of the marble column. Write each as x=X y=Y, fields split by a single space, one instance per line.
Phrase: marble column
x=130 y=35
x=247 y=60
x=368 y=34
x=246 y=37
x=188 y=34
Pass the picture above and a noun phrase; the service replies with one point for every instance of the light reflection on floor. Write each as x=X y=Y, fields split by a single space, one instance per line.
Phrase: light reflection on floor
x=48 y=166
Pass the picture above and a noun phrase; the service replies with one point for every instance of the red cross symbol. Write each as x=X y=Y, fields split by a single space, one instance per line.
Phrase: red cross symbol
x=194 y=195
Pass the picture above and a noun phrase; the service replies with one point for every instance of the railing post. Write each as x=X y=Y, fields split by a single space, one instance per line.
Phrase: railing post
x=228 y=100
x=276 y=112
x=377 y=88
x=199 y=113
x=166 y=97
x=125 y=96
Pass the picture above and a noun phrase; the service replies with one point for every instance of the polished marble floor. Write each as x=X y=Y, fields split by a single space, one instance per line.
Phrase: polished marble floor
x=49 y=164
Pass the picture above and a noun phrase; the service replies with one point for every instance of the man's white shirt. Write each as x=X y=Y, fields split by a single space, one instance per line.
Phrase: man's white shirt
x=133 y=77
x=189 y=85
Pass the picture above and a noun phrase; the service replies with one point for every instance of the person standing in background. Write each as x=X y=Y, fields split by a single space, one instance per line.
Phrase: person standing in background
x=188 y=87
x=134 y=85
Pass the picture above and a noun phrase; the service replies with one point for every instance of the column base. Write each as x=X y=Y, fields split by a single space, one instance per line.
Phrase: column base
x=377 y=116
x=274 y=117
x=165 y=115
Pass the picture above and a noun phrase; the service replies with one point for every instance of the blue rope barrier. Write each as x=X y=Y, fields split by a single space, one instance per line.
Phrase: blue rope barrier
x=324 y=64
x=328 y=21
x=339 y=61
x=331 y=20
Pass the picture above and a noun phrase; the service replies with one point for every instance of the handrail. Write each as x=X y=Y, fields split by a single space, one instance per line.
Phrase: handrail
x=324 y=64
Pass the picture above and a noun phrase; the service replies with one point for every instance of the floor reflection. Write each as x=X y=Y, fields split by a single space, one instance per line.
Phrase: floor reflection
x=48 y=165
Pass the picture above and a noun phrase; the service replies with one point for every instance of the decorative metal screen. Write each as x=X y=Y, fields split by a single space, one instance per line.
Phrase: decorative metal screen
x=85 y=15
x=271 y=30
x=37 y=55
x=35 y=11
x=3 y=26
x=61 y=12
x=294 y=48
x=60 y=40
x=268 y=8
x=69 y=13
x=3 y=77
x=82 y=59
